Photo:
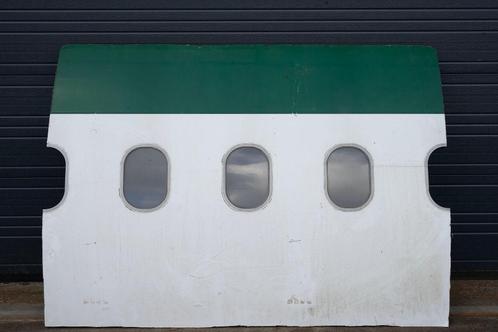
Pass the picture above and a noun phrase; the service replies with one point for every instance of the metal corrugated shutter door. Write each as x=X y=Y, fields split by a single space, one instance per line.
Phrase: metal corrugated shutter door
x=463 y=176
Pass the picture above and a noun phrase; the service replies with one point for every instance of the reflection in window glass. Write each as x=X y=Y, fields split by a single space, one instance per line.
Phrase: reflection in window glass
x=348 y=177
x=145 y=178
x=247 y=177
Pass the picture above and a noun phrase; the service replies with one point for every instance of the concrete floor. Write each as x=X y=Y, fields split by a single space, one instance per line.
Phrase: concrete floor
x=474 y=307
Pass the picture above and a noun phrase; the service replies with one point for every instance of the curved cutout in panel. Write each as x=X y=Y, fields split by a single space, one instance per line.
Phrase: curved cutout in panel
x=55 y=176
x=436 y=181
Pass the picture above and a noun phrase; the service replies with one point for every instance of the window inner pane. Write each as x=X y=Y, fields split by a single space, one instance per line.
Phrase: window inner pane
x=247 y=177
x=145 y=178
x=348 y=177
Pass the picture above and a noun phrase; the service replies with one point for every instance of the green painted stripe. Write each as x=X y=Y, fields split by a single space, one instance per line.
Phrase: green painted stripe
x=244 y=79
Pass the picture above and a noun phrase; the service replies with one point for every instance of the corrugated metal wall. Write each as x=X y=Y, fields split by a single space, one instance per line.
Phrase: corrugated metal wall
x=463 y=176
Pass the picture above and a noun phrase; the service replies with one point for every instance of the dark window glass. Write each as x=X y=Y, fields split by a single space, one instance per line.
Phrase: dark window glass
x=145 y=178
x=247 y=177
x=348 y=177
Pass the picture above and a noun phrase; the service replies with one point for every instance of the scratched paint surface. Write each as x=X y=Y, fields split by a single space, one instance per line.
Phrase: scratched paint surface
x=196 y=261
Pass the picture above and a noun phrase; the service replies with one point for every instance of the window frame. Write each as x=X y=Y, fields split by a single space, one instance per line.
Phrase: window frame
x=168 y=177
x=371 y=173
x=270 y=177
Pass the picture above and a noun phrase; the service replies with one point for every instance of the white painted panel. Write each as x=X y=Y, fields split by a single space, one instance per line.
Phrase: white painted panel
x=196 y=262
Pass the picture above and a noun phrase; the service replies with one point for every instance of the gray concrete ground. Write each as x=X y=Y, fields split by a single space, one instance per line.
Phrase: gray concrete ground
x=474 y=307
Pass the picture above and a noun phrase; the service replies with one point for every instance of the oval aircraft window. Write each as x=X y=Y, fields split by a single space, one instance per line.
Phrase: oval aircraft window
x=145 y=178
x=348 y=177
x=247 y=177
